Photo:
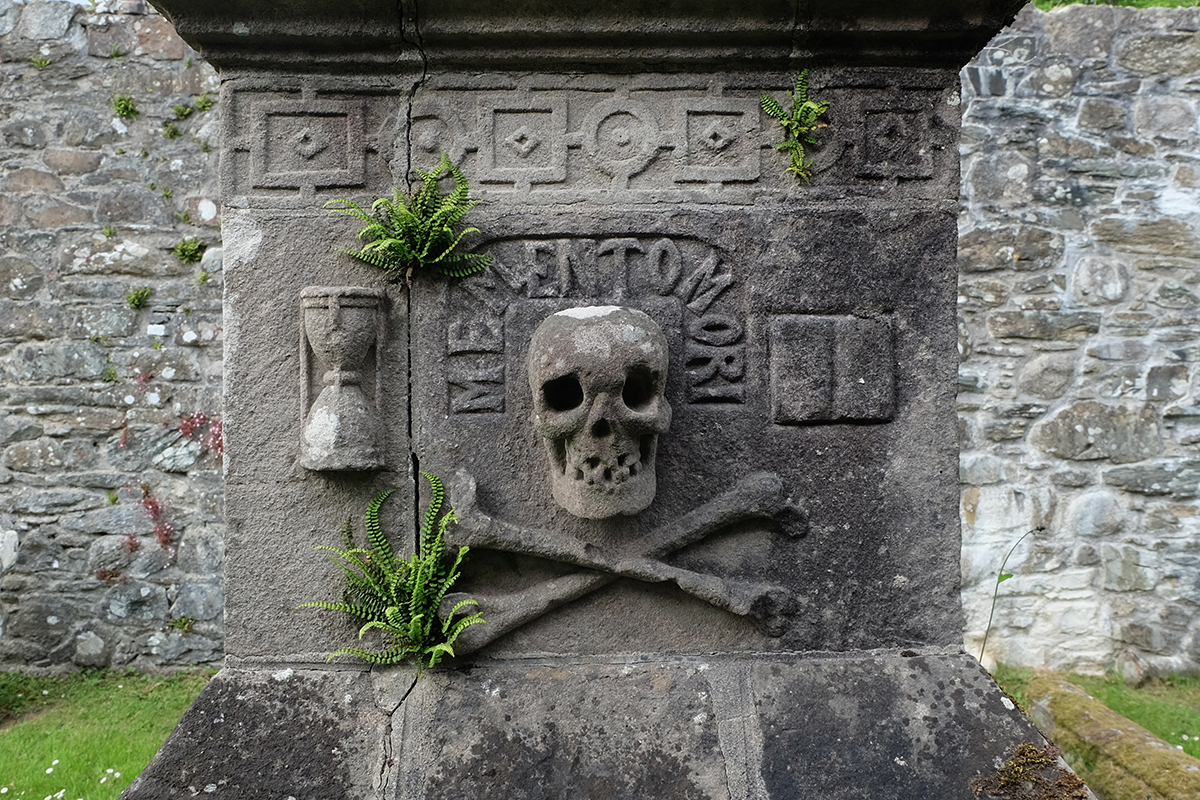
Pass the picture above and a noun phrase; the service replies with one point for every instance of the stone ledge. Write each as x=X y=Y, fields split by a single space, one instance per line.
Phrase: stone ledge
x=1129 y=761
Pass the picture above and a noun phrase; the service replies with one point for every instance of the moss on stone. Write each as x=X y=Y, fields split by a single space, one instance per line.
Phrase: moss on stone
x=1117 y=757
x=1032 y=773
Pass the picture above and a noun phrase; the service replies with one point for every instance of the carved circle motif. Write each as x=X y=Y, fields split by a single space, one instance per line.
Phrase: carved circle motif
x=432 y=134
x=621 y=137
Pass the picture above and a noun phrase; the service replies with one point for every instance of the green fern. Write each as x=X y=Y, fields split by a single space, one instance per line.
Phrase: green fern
x=798 y=124
x=417 y=231
x=398 y=598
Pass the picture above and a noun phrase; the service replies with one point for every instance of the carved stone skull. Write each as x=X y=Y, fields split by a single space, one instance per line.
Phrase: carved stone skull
x=598 y=375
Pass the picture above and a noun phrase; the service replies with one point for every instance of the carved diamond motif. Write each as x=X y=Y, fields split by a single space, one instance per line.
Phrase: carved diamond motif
x=309 y=143
x=716 y=138
x=522 y=142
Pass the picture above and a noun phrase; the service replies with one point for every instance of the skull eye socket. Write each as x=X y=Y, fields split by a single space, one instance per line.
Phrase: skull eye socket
x=562 y=394
x=639 y=388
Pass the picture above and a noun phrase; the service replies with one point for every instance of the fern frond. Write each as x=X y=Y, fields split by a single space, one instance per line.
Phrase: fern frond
x=772 y=107
x=387 y=561
x=401 y=598
x=404 y=233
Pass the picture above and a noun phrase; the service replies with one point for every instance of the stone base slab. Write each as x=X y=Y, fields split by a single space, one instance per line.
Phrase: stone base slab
x=877 y=724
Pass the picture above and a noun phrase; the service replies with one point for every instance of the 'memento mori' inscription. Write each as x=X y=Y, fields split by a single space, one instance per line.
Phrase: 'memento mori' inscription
x=826 y=369
x=596 y=271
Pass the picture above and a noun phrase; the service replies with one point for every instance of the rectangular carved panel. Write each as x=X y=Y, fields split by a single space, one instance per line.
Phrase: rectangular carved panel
x=830 y=368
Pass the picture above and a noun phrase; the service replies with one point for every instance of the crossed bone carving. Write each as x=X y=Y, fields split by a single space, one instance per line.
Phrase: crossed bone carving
x=757 y=496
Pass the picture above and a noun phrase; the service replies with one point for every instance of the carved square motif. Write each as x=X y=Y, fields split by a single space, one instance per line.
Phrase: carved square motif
x=896 y=145
x=719 y=142
x=318 y=144
x=829 y=369
x=524 y=142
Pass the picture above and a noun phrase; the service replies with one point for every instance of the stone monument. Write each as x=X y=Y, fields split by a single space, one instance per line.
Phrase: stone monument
x=696 y=415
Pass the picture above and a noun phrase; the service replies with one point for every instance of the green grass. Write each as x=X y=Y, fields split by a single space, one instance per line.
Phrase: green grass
x=1046 y=5
x=1167 y=707
x=86 y=735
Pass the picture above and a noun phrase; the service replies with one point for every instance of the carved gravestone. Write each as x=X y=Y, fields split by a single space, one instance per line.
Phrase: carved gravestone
x=696 y=415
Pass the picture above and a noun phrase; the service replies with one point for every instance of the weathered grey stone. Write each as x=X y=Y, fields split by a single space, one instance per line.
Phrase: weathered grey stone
x=1048 y=375
x=1177 y=478
x=20 y=279
x=72 y=162
x=1118 y=351
x=46 y=19
x=1071 y=477
x=44 y=619
x=1169 y=237
x=1099 y=281
x=1165 y=118
x=51 y=360
x=40 y=455
x=199 y=601
x=1166 y=382
x=10 y=12
x=1081 y=35
x=133 y=600
x=1128 y=568
x=1162 y=54
x=1089 y=430
x=1101 y=115
x=1056 y=79
x=1043 y=324
x=980 y=470
x=1003 y=179
x=1096 y=513
x=18 y=428
x=103 y=37
x=301 y=733
x=24 y=132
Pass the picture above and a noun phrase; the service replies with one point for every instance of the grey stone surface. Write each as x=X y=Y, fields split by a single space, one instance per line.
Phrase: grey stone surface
x=90 y=410
x=709 y=728
x=275 y=733
x=1099 y=333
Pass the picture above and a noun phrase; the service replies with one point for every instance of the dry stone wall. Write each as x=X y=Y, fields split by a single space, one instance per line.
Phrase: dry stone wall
x=1080 y=329
x=111 y=532
x=1080 y=322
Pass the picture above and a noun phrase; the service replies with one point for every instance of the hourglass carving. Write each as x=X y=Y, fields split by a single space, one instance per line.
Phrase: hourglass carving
x=342 y=332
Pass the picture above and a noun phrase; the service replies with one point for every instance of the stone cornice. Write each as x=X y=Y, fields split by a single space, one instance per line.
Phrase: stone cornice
x=616 y=35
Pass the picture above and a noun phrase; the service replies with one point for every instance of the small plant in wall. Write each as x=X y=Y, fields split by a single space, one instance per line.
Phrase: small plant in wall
x=124 y=106
x=137 y=298
x=400 y=599
x=407 y=233
x=798 y=124
x=189 y=250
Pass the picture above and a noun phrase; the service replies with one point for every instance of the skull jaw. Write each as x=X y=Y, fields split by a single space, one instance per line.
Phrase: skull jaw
x=602 y=501
x=594 y=488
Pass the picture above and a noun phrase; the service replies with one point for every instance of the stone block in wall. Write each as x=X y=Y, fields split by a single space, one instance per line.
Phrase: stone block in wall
x=1128 y=568
x=1022 y=248
x=1162 y=54
x=1097 y=280
x=1080 y=36
x=108 y=34
x=1047 y=376
x=1180 y=479
x=1089 y=430
x=1101 y=115
x=1171 y=119
x=1043 y=324
x=46 y=19
x=1162 y=236
x=1096 y=514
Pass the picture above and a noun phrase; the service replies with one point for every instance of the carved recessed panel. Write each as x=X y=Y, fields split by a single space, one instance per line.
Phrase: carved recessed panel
x=316 y=144
x=831 y=369
x=298 y=143
x=720 y=141
x=523 y=141
x=896 y=145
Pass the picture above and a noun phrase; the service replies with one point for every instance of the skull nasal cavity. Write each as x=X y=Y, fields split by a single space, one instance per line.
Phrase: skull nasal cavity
x=562 y=394
x=639 y=387
x=601 y=428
